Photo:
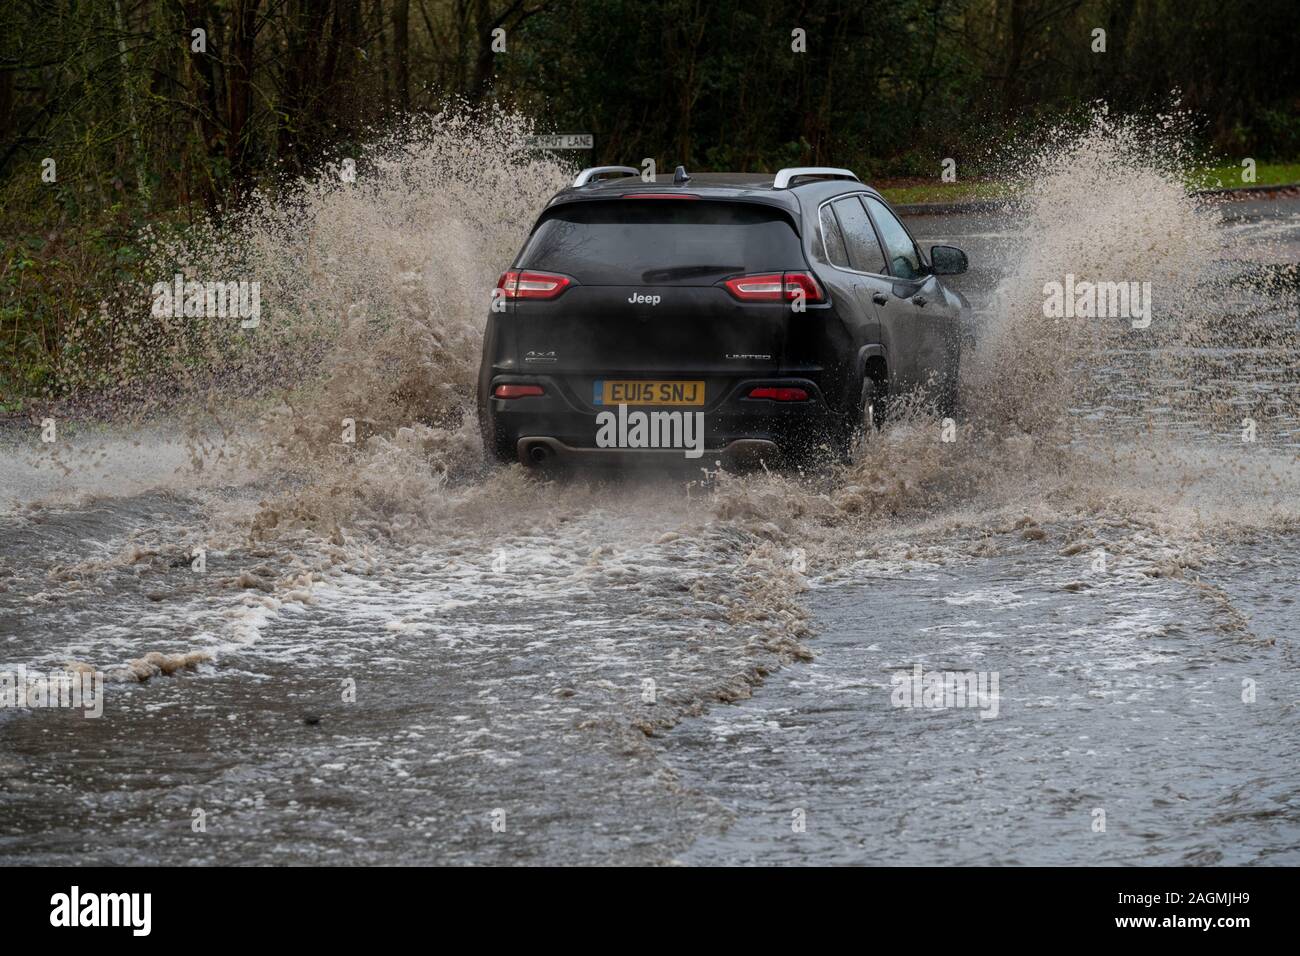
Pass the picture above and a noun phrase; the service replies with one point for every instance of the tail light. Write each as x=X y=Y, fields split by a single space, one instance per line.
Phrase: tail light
x=661 y=196
x=778 y=394
x=775 y=287
x=532 y=285
x=517 y=391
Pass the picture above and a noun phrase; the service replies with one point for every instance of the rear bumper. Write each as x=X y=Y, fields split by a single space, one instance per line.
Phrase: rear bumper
x=735 y=427
x=536 y=451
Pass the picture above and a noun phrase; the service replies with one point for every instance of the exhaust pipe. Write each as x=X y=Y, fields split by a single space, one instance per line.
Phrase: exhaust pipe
x=539 y=454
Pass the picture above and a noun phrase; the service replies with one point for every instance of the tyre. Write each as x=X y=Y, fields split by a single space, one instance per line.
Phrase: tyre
x=496 y=446
x=869 y=414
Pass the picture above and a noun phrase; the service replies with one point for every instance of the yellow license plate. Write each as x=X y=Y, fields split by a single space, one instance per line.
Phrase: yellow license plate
x=615 y=392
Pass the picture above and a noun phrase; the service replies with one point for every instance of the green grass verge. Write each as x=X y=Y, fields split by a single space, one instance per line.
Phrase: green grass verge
x=897 y=191
x=1227 y=177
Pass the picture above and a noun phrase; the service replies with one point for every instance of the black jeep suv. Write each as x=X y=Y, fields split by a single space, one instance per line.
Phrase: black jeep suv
x=786 y=308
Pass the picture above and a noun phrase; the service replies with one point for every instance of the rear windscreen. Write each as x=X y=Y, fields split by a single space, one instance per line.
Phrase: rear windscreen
x=662 y=242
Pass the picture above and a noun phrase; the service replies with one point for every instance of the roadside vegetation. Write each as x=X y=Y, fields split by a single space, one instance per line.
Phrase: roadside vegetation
x=898 y=190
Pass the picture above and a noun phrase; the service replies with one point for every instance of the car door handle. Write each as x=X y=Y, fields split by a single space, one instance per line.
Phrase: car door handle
x=919 y=300
x=880 y=298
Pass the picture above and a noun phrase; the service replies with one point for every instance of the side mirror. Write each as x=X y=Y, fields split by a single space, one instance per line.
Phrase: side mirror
x=947 y=261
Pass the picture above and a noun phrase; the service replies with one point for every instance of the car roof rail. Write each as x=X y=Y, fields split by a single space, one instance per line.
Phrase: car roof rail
x=784 y=176
x=595 y=172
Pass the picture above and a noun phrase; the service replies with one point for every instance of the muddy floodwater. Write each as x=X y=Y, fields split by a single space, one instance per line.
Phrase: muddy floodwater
x=675 y=669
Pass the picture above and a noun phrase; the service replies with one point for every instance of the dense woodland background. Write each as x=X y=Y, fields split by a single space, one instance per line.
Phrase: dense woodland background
x=143 y=128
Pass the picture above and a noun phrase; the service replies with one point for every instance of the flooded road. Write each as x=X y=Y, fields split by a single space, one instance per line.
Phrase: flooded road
x=1120 y=701
x=392 y=711
x=649 y=672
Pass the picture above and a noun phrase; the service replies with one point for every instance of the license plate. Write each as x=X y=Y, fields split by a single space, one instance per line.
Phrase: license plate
x=617 y=392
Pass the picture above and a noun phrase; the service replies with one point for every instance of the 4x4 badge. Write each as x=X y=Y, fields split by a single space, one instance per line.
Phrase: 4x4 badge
x=539 y=356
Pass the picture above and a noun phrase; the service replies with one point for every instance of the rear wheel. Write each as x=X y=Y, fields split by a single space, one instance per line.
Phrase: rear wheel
x=496 y=446
x=872 y=405
x=869 y=415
